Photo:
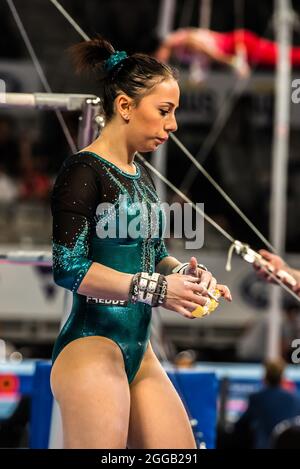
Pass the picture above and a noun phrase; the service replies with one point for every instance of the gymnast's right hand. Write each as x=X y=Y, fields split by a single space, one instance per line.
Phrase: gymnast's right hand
x=184 y=294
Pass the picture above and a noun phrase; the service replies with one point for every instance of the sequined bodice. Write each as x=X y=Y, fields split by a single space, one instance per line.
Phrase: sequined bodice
x=102 y=214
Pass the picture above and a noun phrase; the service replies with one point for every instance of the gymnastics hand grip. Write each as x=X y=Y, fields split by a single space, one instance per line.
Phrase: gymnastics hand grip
x=210 y=306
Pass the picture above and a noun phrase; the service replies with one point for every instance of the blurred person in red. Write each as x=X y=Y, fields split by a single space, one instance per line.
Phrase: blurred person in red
x=35 y=187
x=36 y=184
x=239 y=49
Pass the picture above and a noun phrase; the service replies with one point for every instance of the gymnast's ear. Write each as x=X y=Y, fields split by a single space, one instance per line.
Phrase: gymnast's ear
x=124 y=105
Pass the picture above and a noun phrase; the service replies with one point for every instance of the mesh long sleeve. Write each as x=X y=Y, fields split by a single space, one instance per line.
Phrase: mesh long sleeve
x=75 y=197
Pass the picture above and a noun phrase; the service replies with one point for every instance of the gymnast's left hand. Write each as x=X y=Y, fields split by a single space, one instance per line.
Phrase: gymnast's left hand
x=206 y=279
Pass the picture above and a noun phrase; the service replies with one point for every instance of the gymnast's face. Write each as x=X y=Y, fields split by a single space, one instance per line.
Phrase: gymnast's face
x=153 y=118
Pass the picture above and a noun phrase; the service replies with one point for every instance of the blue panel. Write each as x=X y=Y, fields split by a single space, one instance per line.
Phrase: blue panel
x=199 y=392
x=41 y=406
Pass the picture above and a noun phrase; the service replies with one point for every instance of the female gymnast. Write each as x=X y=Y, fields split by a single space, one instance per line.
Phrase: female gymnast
x=237 y=49
x=111 y=389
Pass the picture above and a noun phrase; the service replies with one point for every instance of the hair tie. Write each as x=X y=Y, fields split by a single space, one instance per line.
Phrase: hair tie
x=114 y=59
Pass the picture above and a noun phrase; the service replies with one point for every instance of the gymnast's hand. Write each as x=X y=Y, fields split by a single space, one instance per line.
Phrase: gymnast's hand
x=206 y=279
x=185 y=293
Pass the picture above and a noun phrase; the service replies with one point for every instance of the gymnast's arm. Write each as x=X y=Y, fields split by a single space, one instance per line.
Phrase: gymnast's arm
x=166 y=265
x=76 y=194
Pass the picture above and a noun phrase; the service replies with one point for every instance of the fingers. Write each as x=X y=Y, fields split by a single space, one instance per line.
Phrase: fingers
x=296 y=289
x=190 y=306
x=185 y=312
x=225 y=292
x=195 y=292
x=199 y=290
x=266 y=266
x=273 y=259
x=264 y=275
x=198 y=296
x=192 y=267
x=266 y=254
x=212 y=285
x=196 y=288
x=199 y=299
x=189 y=278
x=206 y=279
x=263 y=271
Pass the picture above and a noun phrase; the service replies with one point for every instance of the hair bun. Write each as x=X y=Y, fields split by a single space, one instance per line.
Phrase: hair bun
x=92 y=54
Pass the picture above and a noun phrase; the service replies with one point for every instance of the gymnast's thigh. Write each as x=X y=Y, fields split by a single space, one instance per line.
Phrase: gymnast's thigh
x=89 y=382
x=157 y=416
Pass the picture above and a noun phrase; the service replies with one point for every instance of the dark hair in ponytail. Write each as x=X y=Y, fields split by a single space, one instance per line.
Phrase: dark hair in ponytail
x=135 y=76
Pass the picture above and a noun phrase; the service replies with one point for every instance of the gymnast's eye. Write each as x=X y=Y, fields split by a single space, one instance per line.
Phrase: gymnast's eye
x=164 y=112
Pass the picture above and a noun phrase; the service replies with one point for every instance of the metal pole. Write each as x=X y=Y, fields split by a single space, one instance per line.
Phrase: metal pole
x=88 y=127
x=50 y=101
x=280 y=153
x=164 y=26
x=205 y=13
x=166 y=18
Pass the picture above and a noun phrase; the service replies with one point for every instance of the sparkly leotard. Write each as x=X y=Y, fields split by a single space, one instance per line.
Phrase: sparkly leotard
x=85 y=181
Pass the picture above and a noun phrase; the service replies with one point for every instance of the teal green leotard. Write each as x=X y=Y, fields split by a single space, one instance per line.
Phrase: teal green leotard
x=115 y=235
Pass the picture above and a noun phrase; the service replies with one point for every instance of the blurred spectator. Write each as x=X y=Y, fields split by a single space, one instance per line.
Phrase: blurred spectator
x=9 y=146
x=17 y=161
x=185 y=359
x=267 y=408
x=8 y=188
x=36 y=184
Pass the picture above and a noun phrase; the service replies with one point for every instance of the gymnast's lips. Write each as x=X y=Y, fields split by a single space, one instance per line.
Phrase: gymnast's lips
x=161 y=140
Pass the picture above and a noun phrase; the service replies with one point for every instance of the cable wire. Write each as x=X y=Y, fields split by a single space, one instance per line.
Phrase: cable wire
x=40 y=72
